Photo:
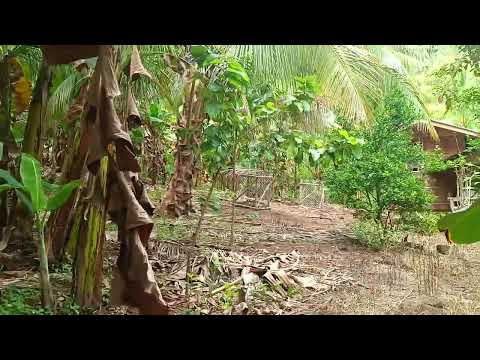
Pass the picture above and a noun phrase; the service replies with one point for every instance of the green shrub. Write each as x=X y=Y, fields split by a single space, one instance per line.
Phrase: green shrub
x=380 y=181
x=420 y=222
x=372 y=235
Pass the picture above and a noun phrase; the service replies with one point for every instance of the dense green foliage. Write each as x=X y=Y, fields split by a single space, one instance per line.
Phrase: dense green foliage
x=381 y=180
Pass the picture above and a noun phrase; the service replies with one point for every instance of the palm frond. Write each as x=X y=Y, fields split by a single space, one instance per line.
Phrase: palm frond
x=67 y=83
x=352 y=80
x=425 y=126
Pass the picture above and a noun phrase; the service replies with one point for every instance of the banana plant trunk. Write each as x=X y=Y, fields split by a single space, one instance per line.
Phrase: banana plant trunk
x=46 y=289
x=60 y=221
x=87 y=236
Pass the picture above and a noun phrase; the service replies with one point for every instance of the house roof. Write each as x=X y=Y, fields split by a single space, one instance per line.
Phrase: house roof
x=454 y=128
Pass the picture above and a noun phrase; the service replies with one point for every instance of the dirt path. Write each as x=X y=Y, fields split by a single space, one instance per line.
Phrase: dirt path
x=401 y=281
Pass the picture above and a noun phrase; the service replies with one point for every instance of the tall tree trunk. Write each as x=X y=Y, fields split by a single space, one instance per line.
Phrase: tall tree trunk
x=177 y=199
x=31 y=142
x=37 y=111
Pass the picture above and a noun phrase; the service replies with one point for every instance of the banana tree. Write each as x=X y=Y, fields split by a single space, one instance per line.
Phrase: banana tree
x=40 y=198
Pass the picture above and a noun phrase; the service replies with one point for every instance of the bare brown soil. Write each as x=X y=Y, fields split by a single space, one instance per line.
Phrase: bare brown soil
x=351 y=279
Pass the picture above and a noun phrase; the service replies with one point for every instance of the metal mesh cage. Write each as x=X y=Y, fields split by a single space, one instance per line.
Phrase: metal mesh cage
x=311 y=194
x=254 y=187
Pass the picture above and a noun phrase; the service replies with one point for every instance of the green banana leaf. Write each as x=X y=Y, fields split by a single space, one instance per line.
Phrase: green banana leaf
x=61 y=195
x=462 y=227
x=31 y=173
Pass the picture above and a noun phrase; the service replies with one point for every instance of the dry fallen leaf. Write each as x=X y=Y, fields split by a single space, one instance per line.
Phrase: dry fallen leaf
x=308 y=282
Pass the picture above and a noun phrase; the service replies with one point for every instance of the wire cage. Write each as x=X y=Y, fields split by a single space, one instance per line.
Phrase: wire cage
x=254 y=187
x=311 y=194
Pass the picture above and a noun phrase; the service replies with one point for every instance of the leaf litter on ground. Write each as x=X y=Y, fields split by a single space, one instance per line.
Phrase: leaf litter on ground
x=230 y=282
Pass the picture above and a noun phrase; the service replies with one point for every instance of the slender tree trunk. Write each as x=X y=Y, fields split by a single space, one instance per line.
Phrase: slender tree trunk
x=204 y=208
x=234 y=196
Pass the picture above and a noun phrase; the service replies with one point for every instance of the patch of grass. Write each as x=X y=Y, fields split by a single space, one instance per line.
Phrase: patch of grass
x=229 y=297
x=374 y=236
x=292 y=291
x=62 y=268
x=166 y=230
x=21 y=301
x=156 y=194
x=254 y=215
x=26 y=301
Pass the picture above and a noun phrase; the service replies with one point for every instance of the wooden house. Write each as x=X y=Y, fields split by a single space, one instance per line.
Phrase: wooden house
x=452 y=189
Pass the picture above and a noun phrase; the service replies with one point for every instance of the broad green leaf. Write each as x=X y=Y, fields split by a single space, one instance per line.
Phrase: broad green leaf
x=31 y=173
x=211 y=59
x=213 y=109
x=5 y=175
x=154 y=110
x=199 y=53
x=238 y=77
x=462 y=227
x=49 y=188
x=62 y=195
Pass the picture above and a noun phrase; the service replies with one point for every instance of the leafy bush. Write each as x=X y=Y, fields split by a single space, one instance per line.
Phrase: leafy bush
x=373 y=235
x=379 y=180
x=423 y=223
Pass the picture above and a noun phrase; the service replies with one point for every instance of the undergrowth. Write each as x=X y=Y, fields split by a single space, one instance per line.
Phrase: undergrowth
x=374 y=236
x=25 y=301
x=422 y=223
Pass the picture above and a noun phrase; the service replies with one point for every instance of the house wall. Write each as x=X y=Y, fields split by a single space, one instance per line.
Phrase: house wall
x=444 y=184
x=451 y=143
